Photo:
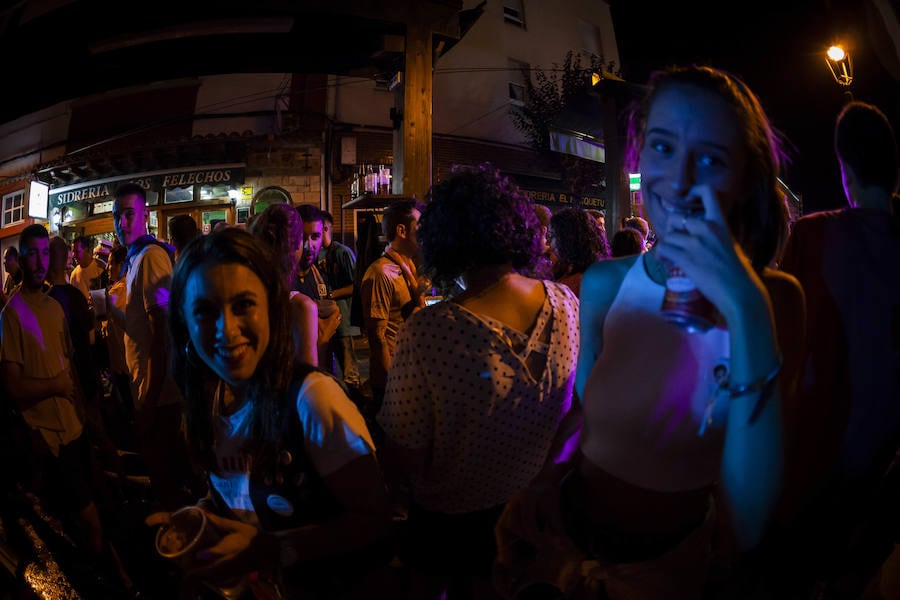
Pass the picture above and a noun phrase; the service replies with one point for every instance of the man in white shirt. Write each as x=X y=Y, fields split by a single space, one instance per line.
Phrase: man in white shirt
x=158 y=404
x=88 y=272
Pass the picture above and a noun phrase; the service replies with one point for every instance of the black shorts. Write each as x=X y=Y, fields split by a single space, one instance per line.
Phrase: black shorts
x=444 y=544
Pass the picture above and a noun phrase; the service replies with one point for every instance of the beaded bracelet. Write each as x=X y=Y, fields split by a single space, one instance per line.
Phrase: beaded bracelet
x=760 y=385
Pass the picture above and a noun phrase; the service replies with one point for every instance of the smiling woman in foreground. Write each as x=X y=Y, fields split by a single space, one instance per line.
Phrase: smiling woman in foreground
x=292 y=470
x=672 y=413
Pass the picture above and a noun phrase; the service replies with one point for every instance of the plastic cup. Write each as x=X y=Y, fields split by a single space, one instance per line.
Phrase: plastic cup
x=327 y=307
x=188 y=532
x=98 y=302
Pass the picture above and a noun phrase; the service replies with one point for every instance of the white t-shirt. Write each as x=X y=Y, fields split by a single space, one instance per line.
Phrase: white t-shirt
x=81 y=278
x=334 y=432
x=148 y=280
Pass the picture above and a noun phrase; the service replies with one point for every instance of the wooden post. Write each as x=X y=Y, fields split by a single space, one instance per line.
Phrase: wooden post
x=415 y=136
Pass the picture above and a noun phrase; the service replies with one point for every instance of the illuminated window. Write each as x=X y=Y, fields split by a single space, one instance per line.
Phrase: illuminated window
x=13 y=208
x=514 y=13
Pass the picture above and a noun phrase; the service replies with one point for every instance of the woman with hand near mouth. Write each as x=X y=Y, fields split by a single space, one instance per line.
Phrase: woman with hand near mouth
x=292 y=471
x=674 y=415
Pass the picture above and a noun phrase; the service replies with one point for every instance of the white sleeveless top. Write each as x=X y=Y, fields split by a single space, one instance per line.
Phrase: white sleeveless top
x=652 y=416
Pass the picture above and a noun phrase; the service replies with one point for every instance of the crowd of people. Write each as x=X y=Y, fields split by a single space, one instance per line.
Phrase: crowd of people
x=544 y=430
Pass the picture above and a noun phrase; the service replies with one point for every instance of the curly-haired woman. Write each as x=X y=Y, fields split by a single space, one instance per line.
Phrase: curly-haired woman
x=480 y=384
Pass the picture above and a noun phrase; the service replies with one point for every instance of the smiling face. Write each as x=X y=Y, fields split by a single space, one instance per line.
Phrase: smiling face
x=226 y=311
x=692 y=138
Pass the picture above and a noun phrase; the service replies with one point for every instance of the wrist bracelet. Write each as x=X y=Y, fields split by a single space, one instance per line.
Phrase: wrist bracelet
x=760 y=385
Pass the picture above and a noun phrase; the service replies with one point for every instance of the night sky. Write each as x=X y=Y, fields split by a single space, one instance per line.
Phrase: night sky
x=778 y=49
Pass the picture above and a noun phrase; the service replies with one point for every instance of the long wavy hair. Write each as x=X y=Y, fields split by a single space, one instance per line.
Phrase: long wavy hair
x=477 y=217
x=760 y=222
x=268 y=387
x=281 y=227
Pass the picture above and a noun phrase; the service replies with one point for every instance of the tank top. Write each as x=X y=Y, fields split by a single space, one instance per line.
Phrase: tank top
x=653 y=417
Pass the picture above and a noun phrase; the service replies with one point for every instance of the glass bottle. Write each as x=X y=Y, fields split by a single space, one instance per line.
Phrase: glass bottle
x=371 y=180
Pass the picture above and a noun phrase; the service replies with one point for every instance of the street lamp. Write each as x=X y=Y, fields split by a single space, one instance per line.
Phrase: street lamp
x=841 y=67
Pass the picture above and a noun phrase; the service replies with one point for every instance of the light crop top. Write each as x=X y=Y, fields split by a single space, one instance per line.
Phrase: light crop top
x=651 y=393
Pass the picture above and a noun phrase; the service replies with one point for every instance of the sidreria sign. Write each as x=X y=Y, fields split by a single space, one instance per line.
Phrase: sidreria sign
x=102 y=190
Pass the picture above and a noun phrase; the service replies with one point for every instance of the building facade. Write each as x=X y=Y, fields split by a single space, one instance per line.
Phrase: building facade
x=221 y=147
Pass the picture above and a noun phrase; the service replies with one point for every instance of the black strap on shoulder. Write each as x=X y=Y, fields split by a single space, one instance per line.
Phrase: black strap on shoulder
x=138 y=246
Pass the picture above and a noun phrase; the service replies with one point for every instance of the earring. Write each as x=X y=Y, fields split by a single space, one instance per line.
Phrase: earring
x=190 y=354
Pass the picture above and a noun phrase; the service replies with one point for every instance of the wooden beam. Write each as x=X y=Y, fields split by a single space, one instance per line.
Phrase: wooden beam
x=415 y=136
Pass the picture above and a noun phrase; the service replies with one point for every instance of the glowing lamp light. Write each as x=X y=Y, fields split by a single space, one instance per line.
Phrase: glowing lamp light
x=840 y=65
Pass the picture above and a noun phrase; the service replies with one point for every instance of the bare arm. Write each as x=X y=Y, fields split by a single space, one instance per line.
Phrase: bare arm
x=599 y=287
x=378 y=347
x=28 y=391
x=344 y=292
x=305 y=322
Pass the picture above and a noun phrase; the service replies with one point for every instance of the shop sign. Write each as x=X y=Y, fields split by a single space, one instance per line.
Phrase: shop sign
x=564 y=199
x=102 y=190
x=37 y=199
x=203 y=177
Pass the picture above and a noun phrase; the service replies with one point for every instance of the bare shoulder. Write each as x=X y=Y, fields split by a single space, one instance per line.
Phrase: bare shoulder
x=302 y=301
x=784 y=289
x=606 y=276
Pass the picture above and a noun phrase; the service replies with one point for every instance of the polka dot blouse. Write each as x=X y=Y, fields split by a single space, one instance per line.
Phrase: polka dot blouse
x=460 y=386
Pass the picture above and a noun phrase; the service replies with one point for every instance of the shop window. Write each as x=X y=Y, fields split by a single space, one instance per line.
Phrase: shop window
x=211 y=192
x=13 y=208
x=514 y=13
x=179 y=194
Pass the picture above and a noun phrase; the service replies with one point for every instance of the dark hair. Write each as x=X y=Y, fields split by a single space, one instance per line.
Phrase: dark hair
x=271 y=381
x=59 y=254
x=639 y=224
x=326 y=216
x=309 y=213
x=33 y=231
x=864 y=140
x=543 y=215
x=578 y=241
x=118 y=254
x=85 y=242
x=280 y=227
x=12 y=251
x=130 y=189
x=182 y=229
x=477 y=217
x=760 y=222
x=398 y=213
x=627 y=242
